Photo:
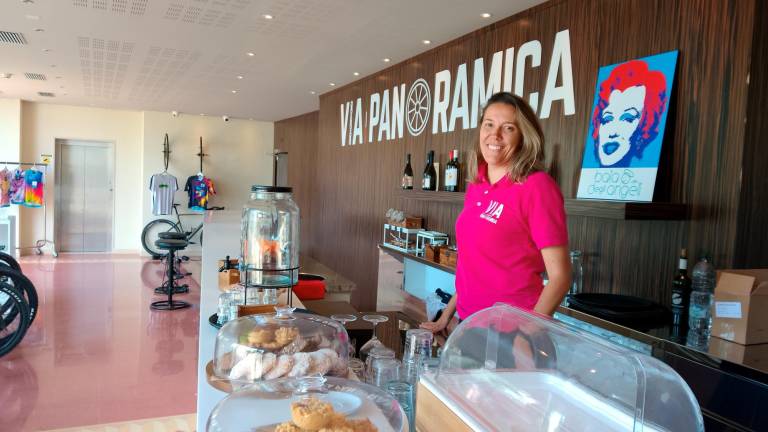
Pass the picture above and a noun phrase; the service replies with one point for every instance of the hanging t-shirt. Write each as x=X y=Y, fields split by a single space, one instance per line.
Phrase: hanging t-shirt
x=33 y=188
x=200 y=189
x=163 y=187
x=5 y=188
x=17 y=187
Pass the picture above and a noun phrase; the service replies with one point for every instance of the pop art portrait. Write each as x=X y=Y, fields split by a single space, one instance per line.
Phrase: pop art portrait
x=627 y=121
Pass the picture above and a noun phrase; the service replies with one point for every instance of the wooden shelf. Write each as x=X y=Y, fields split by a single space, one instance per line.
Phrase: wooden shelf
x=577 y=207
x=432 y=196
x=400 y=254
x=626 y=210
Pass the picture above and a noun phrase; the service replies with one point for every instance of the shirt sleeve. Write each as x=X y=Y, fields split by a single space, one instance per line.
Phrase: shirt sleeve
x=546 y=213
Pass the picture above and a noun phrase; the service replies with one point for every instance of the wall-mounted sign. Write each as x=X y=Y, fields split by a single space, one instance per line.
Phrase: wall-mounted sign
x=452 y=102
x=629 y=113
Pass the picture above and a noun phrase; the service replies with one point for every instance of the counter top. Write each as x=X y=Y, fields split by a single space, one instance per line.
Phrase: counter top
x=222 y=238
x=400 y=255
x=730 y=381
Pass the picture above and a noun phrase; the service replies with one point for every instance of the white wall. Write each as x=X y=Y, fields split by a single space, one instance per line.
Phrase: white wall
x=42 y=124
x=10 y=143
x=239 y=155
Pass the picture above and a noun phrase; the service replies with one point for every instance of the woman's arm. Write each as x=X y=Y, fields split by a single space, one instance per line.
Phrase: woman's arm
x=444 y=319
x=558 y=265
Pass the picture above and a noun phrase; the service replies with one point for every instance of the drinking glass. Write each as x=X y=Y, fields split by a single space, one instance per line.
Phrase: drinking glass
x=377 y=353
x=418 y=345
x=344 y=319
x=357 y=367
x=384 y=371
x=402 y=392
x=374 y=341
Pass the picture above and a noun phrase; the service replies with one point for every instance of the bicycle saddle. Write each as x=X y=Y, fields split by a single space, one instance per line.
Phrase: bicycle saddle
x=172 y=235
x=171 y=244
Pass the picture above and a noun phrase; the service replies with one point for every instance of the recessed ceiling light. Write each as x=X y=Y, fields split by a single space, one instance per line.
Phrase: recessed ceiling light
x=6 y=75
x=426 y=41
x=267 y=16
x=202 y=114
x=65 y=94
x=331 y=84
x=239 y=77
x=32 y=17
x=356 y=73
x=53 y=66
x=234 y=91
x=46 y=50
x=312 y=92
x=28 y=1
x=250 y=54
x=58 y=77
x=386 y=59
x=486 y=15
x=39 y=30
x=61 y=87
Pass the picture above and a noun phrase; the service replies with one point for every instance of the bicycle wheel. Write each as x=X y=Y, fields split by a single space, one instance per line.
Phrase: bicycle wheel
x=9 y=261
x=23 y=285
x=14 y=318
x=152 y=232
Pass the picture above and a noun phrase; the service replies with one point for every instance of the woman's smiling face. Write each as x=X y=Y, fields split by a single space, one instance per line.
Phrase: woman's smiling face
x=618 y=123
x=499 y=134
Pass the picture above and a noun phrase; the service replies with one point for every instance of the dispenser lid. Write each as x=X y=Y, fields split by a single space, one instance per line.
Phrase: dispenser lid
x=263 y=188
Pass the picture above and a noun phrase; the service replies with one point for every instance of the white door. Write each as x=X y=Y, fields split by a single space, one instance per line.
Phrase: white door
x=84 y=198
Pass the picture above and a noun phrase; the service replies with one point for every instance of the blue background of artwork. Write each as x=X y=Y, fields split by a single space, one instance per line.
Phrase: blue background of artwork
x=665 y=63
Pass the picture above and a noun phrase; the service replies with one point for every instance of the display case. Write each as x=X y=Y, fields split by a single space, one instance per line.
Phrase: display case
x=548 y=377
x=286 y=344
x=310 y=403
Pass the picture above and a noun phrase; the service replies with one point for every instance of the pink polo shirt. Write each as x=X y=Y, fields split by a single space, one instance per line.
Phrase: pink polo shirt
x=500 y=234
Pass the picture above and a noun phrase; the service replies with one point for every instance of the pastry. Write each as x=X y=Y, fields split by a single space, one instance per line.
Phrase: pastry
x=321 y=363
x=286 y=335
x=246 y=368
x=258 y=337
x=302 y=363
x=311 y=414
x=282 y=367
x=363 y=425
x=263 y=366
x=287 y=427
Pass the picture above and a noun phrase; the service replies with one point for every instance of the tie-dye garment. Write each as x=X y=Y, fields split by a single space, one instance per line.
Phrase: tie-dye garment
x=33 y=188
x=17 y=187
x=5 y=188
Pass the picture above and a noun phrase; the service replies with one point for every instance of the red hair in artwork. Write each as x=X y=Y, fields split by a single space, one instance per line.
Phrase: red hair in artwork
x=630 y=74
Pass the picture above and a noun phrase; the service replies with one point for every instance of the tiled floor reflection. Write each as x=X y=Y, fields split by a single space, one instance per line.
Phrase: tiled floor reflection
x=96 y=353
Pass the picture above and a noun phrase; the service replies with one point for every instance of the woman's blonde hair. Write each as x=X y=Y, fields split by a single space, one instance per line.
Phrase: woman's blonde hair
x=529 y=155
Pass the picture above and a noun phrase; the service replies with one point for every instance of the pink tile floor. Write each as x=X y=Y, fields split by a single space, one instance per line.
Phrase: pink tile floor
x=96 y=353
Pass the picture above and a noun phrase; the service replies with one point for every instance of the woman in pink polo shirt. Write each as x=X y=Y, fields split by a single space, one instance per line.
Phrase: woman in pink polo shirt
x=513 y=224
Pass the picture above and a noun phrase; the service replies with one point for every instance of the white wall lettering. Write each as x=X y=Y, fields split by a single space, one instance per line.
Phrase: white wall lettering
x=481 y=93
x=530 y=49
x=398 y=112
x=561 y=60
x=373 y=115
x=357 y=133
x=384 y=115
x=442 y=99
x=460 y=106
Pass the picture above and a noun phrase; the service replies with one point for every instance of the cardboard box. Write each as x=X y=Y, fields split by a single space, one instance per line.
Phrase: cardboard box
x=755 y=356
x=740 y=310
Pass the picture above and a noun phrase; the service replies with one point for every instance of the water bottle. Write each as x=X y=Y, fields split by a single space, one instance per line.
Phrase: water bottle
x=702 y=294
x=577 y=278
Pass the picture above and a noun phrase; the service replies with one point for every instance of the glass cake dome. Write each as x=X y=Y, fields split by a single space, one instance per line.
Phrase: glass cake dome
x=550 y=377
x=285 y=344
x=309 y=403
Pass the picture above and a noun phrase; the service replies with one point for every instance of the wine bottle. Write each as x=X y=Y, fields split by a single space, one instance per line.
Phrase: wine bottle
x=681 y=291
x=452 y=172
x=407 y=182
x=429 y=177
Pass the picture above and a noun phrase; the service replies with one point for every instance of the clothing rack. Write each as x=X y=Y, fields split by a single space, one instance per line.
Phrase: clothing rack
x=39 y=244
x=201 y=154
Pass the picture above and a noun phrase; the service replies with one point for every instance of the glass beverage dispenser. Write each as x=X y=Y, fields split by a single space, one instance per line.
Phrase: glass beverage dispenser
x=269 y=243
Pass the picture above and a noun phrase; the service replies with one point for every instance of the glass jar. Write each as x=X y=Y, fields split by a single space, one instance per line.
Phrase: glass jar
x=269 y=242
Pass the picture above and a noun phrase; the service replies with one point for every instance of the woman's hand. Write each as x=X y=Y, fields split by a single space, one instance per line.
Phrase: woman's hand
x=435 y=326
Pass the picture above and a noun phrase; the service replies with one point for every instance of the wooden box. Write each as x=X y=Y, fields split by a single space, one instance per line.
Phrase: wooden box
x=432 y=253
x=228 y=278
x=409 y=222
x=448 y=257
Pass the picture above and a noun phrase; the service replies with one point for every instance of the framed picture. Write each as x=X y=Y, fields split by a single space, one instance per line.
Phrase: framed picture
x=626 y=129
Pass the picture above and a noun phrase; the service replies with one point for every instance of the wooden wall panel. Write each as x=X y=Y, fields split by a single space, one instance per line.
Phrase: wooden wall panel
x=751 y=249
x=299 y=137
x=703 y=146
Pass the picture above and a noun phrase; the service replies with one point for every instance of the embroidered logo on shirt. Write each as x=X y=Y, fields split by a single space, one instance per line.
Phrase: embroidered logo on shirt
x=493 y=212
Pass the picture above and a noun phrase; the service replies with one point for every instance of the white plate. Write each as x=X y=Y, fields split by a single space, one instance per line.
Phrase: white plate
x=344 y=403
